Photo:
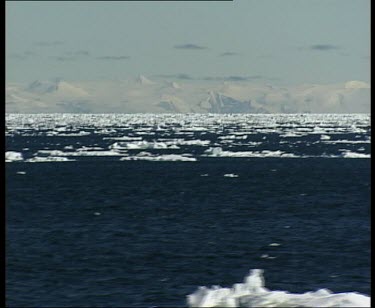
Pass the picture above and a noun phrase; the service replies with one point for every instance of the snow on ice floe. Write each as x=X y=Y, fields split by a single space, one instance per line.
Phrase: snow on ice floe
x=82 y=152
x=141 y=145
x=150 y=157
x=274 y=244
x=79 y=134
x=292 y=135
x=218 y=152
x=196 y=142
x=349 y=154
x=325 y=137
x=158 y=144
x=48 y=159
x=124 y=138
x=252 y=293
x=228 y=137
x=11 y=156
x=268 y=257
x=86 y=149
x=231 y=175
x=347 y=141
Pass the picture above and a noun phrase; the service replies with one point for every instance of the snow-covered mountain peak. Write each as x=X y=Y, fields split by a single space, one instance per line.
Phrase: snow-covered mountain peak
x=175 y=85
x=55 y=86
x=42 y=87
x=139 y=95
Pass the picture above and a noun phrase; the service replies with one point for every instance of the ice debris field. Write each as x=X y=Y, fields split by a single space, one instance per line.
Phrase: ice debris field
x=185 y=137
x=252 y=293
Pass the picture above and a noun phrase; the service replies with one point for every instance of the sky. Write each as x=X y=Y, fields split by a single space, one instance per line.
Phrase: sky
x=283 y=42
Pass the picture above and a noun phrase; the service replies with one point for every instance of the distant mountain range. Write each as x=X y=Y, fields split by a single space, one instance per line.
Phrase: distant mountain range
x=143 y=95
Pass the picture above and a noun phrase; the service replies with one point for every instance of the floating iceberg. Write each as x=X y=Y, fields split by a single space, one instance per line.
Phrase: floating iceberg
x=13 y=156
x=252 y=293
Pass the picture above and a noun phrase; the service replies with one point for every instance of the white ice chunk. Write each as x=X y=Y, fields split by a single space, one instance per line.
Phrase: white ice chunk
x=231 y=175
x=349 y=154
x=218 y=152
x=11 y=156
x=124 y=138
x=170 y=157
x=81 y=152
x=348 y=141
x=274 y=244
x=38 y=159
x=252 y=293
x=140 y=145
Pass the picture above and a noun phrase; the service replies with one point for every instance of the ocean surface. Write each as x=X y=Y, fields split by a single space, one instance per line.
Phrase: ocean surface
x=141 y=210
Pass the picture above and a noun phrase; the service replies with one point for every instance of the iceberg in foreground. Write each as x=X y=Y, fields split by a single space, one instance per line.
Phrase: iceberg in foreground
x=11 y=156
x=252 y=293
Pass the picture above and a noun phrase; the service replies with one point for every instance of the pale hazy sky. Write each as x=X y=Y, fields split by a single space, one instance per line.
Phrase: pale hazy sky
x=286 y=42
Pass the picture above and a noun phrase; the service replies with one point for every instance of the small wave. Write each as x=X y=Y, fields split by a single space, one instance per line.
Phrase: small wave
x=251 y=293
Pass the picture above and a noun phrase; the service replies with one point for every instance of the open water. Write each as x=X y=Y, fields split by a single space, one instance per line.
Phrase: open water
x=102 y=231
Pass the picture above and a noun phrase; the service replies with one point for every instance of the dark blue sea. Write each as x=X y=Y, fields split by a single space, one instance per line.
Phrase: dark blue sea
x=102 y=231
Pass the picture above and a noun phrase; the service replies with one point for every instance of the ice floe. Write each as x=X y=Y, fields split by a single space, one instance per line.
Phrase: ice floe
x=38 y=159
x=141 y=145
x=349 y=154
x=231 y=175
x=83 y=152
x=170 y=157
x=11 y=156
x=252 y=293
x=274 y=244
x=347 y=141
x=325 y=137
x=218 y=152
